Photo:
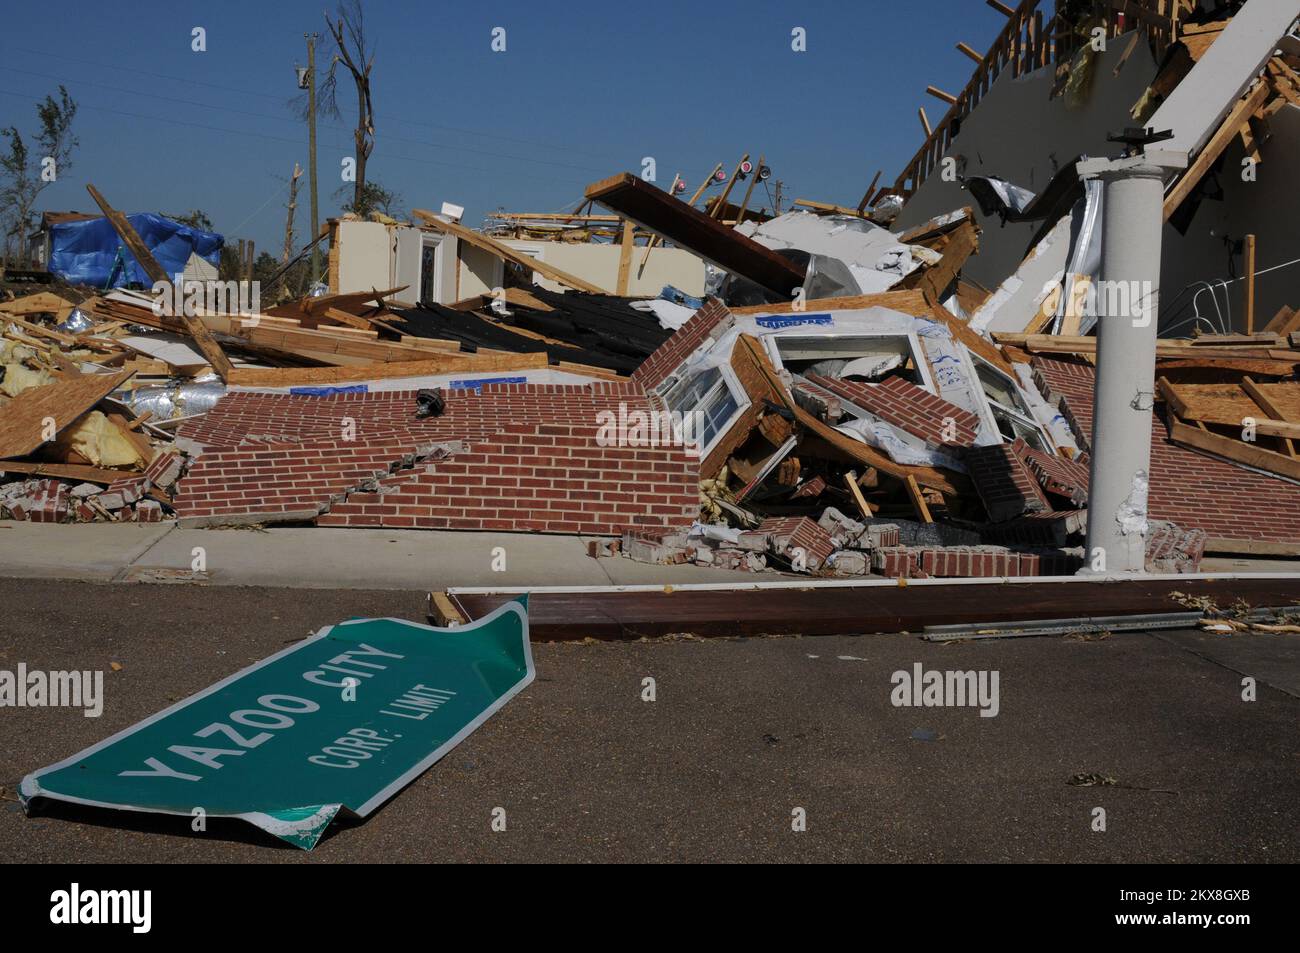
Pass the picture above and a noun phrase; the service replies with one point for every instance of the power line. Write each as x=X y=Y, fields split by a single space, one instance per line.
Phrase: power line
x=62 y=57
x=248 y=92
x=283 y=119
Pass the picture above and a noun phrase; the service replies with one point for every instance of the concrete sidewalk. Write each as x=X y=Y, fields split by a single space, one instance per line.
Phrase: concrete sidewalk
x=328 y=558
x=321 y=558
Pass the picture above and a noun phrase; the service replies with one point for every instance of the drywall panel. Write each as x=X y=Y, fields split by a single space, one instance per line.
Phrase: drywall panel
x=1198 y=104
x=1020 y=134
x=365 y=256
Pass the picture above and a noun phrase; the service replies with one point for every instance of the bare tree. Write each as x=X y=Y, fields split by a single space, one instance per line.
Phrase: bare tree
x=349 y=33
x=24 y=174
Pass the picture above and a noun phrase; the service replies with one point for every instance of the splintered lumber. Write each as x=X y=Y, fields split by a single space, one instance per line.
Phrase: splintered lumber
x=910 y=302
x=1284 y=322
x=657 y=211
x=936 y=279
x=202 y=337
x=944 y=481
x=829 y=208
x=44 y=302
x=860 y=501
x=625 y=257
x=451 y=364
x=494 y=247
x=513 y=296
x=343 y=302
x=40 y=413
x=918 y=500
x=130 y=238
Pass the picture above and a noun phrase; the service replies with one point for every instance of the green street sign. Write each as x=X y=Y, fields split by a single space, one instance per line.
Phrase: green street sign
x=339 y=722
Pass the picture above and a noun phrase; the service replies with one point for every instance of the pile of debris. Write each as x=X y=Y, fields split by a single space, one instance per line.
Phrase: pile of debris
x=71 y=451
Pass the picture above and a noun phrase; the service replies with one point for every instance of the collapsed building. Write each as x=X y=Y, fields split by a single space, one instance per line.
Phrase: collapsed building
x=909 y=388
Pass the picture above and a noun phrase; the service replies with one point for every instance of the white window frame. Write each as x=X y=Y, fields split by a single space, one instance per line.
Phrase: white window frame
x=1045 y=441
x=919 y=361
x=728 y=380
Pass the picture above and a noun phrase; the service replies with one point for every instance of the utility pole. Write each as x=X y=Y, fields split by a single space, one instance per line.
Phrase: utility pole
x=288 y=224
x=311 y=123
x=776 y=199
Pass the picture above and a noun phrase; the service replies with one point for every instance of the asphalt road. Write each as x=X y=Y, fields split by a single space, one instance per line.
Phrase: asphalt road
x=742 y=732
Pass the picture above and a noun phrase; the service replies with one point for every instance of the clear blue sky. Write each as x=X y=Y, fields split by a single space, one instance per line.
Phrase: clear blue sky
x=585 y=89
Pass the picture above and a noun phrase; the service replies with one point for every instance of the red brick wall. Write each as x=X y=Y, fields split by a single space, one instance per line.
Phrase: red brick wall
x=531 y=461
x=1189 y=488
x=1004 y=483
x=681 y=345
x=905 y=405
x=551 y=478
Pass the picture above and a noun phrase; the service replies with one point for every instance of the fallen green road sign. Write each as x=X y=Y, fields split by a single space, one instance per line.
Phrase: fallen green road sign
x=339 y=722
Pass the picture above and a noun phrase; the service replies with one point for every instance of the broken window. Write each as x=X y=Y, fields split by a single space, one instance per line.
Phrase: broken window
x=714 y=397
x=1010 y=412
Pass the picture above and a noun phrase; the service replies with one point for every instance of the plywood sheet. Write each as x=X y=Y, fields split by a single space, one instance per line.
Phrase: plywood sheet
x=23 y=420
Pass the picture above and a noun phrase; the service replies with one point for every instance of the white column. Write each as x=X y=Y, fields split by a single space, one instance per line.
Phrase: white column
x=1127 y=310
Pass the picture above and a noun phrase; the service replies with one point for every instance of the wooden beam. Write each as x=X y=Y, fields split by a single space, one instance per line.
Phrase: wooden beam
x=971 y=53
x=1214 y=148
x=909 y=302
x=918 y=500
x=828 y=208
x=67 y=471
x=866 y=196
x=749 y=191
x=494 y=247
x=963 y=243
x=625 y=257
x=207 y=344
x=851 y=481
x=722 y=199
x=1235 y=450
x=443 y=610
x=925 y=121
x=1256 y=393
x=657 y=211
x=938 y=93
x=1002 y=8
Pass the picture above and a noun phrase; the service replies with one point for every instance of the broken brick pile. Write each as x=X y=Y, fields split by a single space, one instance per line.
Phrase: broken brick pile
x=125 y=500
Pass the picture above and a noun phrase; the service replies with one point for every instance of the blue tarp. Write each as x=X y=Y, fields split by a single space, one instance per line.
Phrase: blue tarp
x=85 y=252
